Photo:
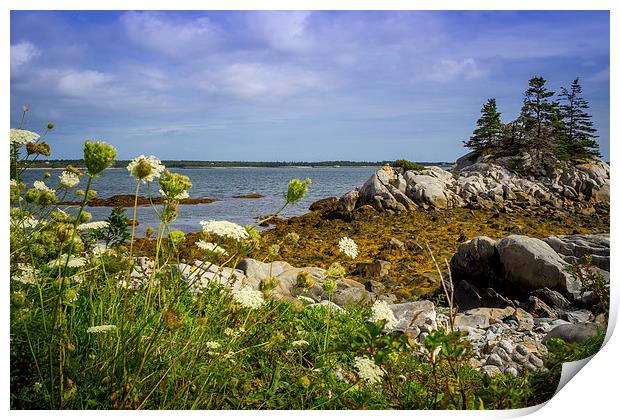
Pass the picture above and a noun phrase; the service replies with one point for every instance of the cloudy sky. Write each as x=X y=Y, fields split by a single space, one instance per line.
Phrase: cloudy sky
x=294 y=85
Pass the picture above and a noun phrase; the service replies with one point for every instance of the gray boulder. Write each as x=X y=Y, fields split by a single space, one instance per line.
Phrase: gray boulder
x=420 y=314
x=530 y=264
x=573 y=333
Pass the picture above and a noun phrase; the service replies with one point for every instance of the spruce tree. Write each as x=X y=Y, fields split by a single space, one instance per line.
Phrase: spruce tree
x=489 y=130
x=579 y=141
x=537 y=111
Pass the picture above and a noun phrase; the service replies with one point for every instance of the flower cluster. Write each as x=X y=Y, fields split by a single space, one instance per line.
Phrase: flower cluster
x=94 y=225
x=224 y=229
x=21 y=137
x=174 y=186
x=382 y=312
x=211 y=247
x=98 y=156
x=28 y=274
x=348 y=247
x=249 y=298
x=70 y=260
x=297 y=190
x=101 y=329
x=145 y=169
x=40 y=186
x=368 y=370
x=69 y=179
x=300 y=343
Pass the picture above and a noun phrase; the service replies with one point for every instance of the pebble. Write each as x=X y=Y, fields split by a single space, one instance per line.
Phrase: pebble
x=491 y=370
x=494 y=360
x=506 y=345
x=536 y=361
x=521 y=349
x=511 y=371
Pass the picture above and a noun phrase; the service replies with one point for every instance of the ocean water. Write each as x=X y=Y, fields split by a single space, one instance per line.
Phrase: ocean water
x=221 y=183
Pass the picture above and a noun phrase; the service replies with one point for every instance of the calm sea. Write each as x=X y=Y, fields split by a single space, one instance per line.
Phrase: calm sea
x=223 y=183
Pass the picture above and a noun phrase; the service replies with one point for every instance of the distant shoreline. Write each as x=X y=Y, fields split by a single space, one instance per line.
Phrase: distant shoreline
x=122 y=164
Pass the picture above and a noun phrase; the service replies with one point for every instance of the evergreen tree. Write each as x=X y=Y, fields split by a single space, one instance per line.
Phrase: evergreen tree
x=537 y=110
x=579 y=141
x=489 y=130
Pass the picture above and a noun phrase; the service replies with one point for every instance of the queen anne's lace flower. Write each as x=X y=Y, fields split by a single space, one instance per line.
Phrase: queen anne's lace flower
x=211 y=247
x=70 y=260
x=40 y=186
x=69 y=179
x=28 y=274
x=101 y=329
x=249 y=298
x=224 y=229
x=21 y=137
x=300 y=343
x=102 y=224
x=368 y=370
x=382 y=312
x=146 y=169
x=348 y=247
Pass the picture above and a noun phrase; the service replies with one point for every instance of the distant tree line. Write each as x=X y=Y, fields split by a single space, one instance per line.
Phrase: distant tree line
x=61 y=163
x=561 y=127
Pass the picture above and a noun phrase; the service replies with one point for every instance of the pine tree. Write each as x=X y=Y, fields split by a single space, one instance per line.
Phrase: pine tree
x=579 y=141
x=489 y=130
x=537 y=111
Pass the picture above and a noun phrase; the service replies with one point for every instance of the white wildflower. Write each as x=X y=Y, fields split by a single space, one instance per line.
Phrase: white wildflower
x=368 y=370
x=211 y=247
x=69 y=260
x=224 y=229
x=249 y=298
x=212 y=345
x=69 y=179
x=28 y=274
x=382 y=312
x=101 y=329
x=27 y=222
x=13 y=183
x=40 y=186
x=102 y=224
x=21 y=137
x=181 y=196
x=348 y=247
x=300 y=343
x=146 y=169
x=229 y=332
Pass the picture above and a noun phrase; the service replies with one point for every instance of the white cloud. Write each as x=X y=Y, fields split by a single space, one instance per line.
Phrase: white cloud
x=262 y=82
x=449 y=70
x=22 y=53
x=283 y=30
x=84 y=83
x=169 y=35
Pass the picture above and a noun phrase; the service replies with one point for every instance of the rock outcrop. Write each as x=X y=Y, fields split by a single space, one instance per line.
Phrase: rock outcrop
x=482 y=181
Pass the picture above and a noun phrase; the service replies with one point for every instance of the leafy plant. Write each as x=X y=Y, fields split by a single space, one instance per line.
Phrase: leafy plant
x=407 y=165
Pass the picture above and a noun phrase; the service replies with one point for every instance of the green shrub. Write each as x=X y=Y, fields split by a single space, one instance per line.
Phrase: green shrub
x=407 y=165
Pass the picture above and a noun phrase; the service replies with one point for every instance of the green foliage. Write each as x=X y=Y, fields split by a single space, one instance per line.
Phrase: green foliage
x=579 y=134
x=489 y=129
x=117 y=232
x=407 y=165
x=591 y=281
x=296 y=190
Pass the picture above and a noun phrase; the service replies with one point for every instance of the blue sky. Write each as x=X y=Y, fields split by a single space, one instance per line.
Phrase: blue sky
x=294 y=85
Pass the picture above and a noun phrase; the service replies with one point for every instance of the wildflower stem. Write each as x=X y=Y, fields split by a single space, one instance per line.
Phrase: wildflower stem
x=133 y=222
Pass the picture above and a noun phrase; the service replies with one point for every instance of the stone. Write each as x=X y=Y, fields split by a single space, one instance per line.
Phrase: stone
x=511 y=371
x=396 y=244
x=551 y=297
x=525 y=321
x=540 y=309
x=578 y=316
x=375 y=269
x=495 y=315
x=350 y=295
x=574 y=247
x=420 y=313
x=349 y=200
x=473 y=321
x=506 y=345
x=491 y=370
x=530 y=264
x=573 y=333
x=494 y=360
x=323 y=204
x=522 y=350
x=475 y=260
x=536 y=361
